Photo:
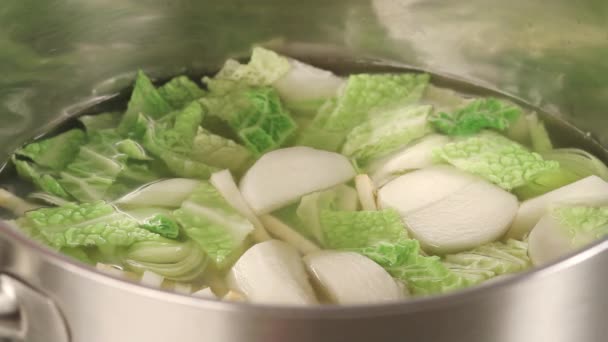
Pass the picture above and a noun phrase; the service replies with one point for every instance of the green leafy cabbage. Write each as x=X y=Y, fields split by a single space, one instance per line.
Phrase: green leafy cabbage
x=214 y=224
x=56 y=152
x=475 y=116
x=495 y=158
x=180 y=91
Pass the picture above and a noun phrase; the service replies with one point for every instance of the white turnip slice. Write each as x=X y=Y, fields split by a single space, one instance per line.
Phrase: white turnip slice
x=281 y=177
x=351 y=278
x=415 y=156
x=305 y=82
x=422 y=187
x=591 y=190
x=225 y=185
x=165 y=193
x=476 y=214
x=272 y=272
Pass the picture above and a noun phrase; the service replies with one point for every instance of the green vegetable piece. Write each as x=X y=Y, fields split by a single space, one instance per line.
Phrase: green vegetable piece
x=41 y=179
x=424 y=275
x=256 y=115
x=220 y=152
x=132 y=149
x=359 y=229
x=476 y=116
x=174 y=144
x=264 y=68
x=490 y=260
x=363 y=94
x=214 y=224
x=174 y=260
x=146 y=100
x=98 y=122
x=386 y=133
x=539 y=137
x=180 y=91
x=162 y=225
x=582 y=224
x=574 y=164
x=88 y=224
x=495 y=158
x=56 y=152
x=78 y=254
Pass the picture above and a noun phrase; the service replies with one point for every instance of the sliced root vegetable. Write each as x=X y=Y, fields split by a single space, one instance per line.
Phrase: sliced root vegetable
x=165 y=193
x=205 y=293
x=472 y=216
x=14 y=203
x=304 y=82
x=588 y=191
x=272 y=272
x=564 y=230
x=423 y=187
x=281 y=177
x=234 y=296
x=224 y=183
x=351 y=278
x=415 y=156
x=284 y=232
x=152 y=279
x=367 y=192
x=182 y=288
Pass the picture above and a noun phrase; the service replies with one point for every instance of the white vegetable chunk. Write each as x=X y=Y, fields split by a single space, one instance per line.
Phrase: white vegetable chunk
x=225 y=185
x=305 y=82
x=588 y=191
x=366 y=191
x=284 y=232
x=281 y=177
x=422 y=187
x=205 y=293
x=182 y=288
x=272 y=272
x=412 y=157
x=15 y=204
x=548 y=241
x=477 y=214
x=152 y=279
x=351 y=278
x=165 y=193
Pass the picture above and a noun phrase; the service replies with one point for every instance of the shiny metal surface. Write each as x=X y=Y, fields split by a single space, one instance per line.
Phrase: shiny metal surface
x=58 y=56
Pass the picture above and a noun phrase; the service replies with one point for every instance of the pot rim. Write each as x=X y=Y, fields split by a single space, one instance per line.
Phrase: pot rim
x=294 y=312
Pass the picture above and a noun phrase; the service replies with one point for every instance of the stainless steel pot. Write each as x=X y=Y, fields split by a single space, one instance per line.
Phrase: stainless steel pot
x=59 y=56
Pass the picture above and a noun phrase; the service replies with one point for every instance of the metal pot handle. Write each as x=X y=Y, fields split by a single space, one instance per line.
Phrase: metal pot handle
x=27 y=315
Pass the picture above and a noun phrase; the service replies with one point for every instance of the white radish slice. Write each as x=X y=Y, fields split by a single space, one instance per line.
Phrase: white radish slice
x=351 y=278
x=234 y=296
x=548 y=241
x=152 y=279
x=366 y=191
x=281 y=177
x=422 y=187
x=183 y=288
x=225 y=185
x=272 y=272
x=284 y=232
x=305 y=82
x=165 y=193
x=591 y=190
x=205 y=293
x=416 y=156
x=477 y=214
